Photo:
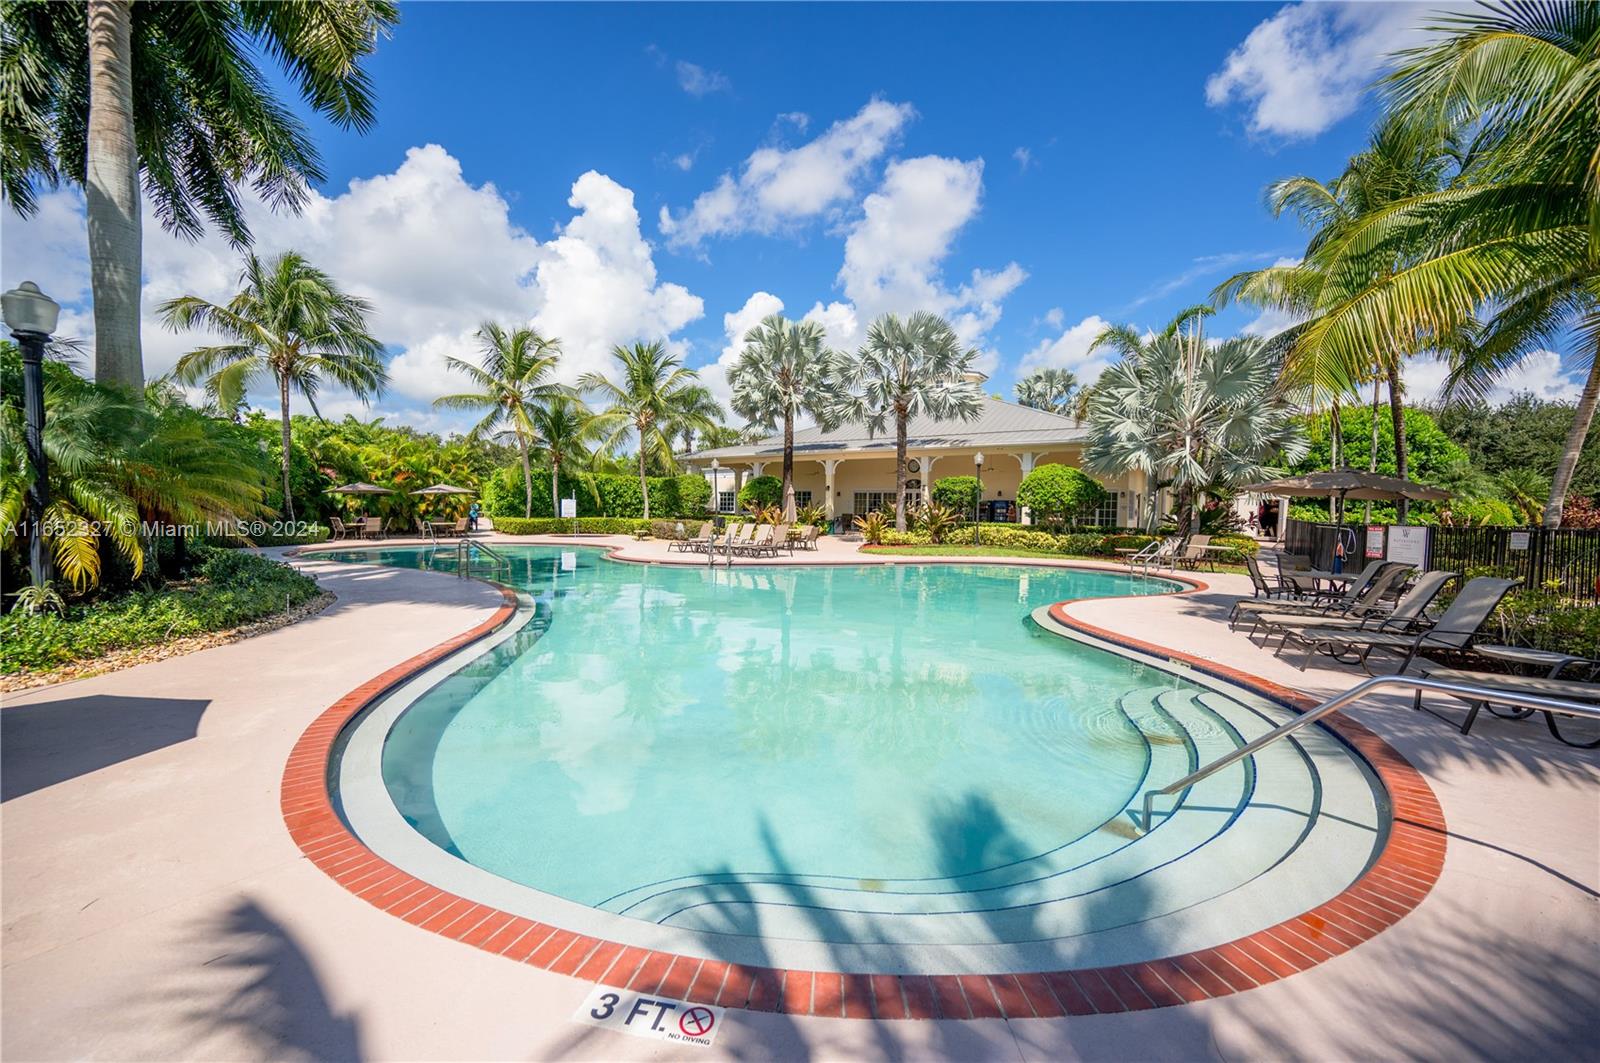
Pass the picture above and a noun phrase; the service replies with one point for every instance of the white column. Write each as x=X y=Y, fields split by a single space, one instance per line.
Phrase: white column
x=1027 y=459
x=828 y=465
x=756 y=467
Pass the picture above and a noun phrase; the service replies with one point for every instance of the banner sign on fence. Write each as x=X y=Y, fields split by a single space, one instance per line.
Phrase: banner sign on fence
x=1518 y=541
x=1374 y=541
x=1409 y=544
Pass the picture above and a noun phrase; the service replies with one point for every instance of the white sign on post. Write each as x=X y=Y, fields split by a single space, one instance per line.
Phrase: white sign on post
x=658 y=1018
x=1408 y=544
x=1519 y=541
x=569 y=509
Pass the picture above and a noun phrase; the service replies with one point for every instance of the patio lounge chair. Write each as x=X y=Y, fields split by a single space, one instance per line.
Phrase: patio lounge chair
x=757 y=544
x=780 y=540
x=1368 y=602
x=1408 y=614
x=1195 y=553
x=1310 y=606
x=339 y=530
x=1544 y=686
x=807 y=539
x=695 y=541
x=1288 y=565
x=1455 y=629
x=1265 y=586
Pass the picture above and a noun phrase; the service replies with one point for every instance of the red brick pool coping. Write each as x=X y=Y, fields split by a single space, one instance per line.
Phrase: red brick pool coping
x=1396 y=882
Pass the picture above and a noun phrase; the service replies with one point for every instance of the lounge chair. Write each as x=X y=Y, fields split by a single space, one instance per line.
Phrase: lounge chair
x=1268 y=587
x=807 y=539
x=1543 y=686
x=694 y=542
x=780 y=540
x=1368 y=603
x=339 y=530
x=757 y=544
x=1311 y=606
x=1454 y=630
x=1408 y=614
x=1194 y=553
x=1288 y=565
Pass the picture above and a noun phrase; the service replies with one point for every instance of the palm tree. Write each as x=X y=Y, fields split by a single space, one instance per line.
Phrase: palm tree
x=1195 y=415
x=513 y=378
x=289 y=322
x=1398 y=165
x=651 y=401
x=565 y=428
x=109 y=93
x=783 y=371
x=1053 y=390
x=1518 y=235
x=906 y=367
x=699 y=408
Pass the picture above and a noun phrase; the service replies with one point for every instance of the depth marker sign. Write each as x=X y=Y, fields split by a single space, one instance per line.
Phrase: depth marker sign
x=659 y=1018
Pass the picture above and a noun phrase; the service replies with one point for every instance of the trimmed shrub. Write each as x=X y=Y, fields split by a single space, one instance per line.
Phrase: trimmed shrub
x=670 y=496
x=230 y=587
x=557 y=526
x=1056 y=493
x=960 y=493
x=760 y=492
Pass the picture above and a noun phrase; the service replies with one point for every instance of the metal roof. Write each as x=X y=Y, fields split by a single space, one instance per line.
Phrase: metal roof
x=998 y=424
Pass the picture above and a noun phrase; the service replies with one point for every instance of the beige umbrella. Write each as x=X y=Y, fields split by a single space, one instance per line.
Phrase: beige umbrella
x=1349 y=483
x=360 y=487
x=444 y=489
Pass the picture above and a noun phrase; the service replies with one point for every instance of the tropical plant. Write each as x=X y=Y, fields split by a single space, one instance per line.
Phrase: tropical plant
x=814 y=515
x=906 y=368
x=872 y=527
x=289 y=322
x=1056 y=494
x=108 y=94
x=1055 y=391
x=938 y=521
x=566 y=430
x=652 y=401
x=698 y=410
x=1192 y=414
x=513 y=377
x=783 y=372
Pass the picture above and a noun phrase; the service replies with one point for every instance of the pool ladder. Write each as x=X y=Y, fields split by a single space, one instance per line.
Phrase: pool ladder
x=1355 y=693
x=464 y=548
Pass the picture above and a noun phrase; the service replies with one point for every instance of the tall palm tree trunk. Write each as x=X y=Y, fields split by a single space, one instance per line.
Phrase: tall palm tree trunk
x=112 y=194
x=555 y=484
x=1582 y=418
x=1335 y=454
x=899 y=470
x=788 y=466
x=527 y=477
x=1372 y=455
x=644 y=481
x=283 y=408
x=1397 y=414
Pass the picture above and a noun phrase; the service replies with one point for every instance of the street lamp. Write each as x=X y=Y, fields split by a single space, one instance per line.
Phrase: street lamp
x=977 y=509
x=716 y=486
x=31 y=316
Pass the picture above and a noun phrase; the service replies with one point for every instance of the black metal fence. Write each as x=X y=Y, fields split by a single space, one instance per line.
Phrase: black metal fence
x=1565 y=561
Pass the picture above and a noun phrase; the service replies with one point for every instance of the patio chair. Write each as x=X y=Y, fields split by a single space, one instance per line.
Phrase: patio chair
x=425 y=529
x=339 y=530
x=1310 y=605
x=1366 y=602
x=1408 y=613
x=463 y=525
x=1194 y=552
x=1288 y=565
x=372 y=528
x=757 y=544
x=1265 y=586
x=807 y=539
x=695 y=541
x=1543 y=686
x=780 y=540
x=1455 y=629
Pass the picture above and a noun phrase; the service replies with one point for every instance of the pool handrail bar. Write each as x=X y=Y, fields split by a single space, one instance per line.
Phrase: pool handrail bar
x=1360 y=690
x=464 y=558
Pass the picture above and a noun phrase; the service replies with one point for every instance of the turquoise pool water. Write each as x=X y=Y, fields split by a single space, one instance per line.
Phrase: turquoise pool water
x=704 y=749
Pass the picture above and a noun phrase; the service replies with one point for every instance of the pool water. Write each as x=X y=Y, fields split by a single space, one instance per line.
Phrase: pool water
x=819 y=752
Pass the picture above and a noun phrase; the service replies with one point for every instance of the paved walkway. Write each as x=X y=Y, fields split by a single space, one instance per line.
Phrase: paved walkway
x=154 y=906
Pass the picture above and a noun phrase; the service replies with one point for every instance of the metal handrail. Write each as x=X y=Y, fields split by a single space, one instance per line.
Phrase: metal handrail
x=464 y=561
x=1360 y=690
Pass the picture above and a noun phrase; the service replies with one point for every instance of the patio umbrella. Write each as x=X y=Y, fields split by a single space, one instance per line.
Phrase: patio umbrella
x=1349 y=483
x=360 y=488
x=444 y=489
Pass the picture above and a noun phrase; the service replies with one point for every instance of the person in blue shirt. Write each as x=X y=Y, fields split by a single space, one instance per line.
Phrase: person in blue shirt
x=472 y=517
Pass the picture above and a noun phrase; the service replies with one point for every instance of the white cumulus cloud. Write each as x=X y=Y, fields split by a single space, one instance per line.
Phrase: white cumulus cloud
x=1070 y=350
x=696 y=80
x=1306 y=67
x=779 y=187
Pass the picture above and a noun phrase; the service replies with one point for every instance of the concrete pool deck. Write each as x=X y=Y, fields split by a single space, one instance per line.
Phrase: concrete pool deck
x=155 y=907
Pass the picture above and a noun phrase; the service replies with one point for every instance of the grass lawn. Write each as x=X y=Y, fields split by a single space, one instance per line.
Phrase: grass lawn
x=951 y=550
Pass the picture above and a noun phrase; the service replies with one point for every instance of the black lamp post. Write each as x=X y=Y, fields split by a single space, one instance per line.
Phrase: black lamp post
x=977 y=508
x=31 y=316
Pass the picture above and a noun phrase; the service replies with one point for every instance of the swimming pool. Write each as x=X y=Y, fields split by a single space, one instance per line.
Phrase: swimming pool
x=885 y=765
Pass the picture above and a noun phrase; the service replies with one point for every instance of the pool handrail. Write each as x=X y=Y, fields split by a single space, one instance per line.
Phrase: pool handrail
x=464 y=557
x=1360 y=690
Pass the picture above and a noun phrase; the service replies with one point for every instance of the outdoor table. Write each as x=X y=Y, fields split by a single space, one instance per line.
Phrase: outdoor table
x=442 y=527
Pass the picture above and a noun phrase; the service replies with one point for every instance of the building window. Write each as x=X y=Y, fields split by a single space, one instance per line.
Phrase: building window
x=725 y=501
x=872 y=501
x=802 y=499
x=1108 y=514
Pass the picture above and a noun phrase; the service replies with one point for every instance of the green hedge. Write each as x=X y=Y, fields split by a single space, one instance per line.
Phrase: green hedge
x=1546 y=622
x=557 y=526
x=1075 y=543
x=760 y=492
x=960 y=493
x=230 y=587
x=619 y=496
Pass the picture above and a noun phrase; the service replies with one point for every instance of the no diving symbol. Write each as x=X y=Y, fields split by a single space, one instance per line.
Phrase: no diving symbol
x=696 y=1022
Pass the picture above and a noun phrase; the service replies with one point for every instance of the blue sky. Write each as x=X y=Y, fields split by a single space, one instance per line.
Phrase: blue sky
x=1032 y=171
